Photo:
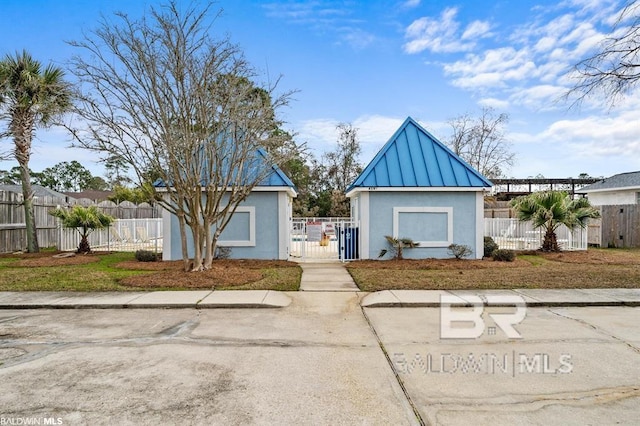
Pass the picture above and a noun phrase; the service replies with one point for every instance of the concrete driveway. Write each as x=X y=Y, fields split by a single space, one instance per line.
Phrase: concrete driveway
x=317 y=361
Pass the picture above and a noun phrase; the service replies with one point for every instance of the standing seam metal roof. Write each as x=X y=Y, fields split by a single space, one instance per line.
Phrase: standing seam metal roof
x=415 y=158
x=275 y=178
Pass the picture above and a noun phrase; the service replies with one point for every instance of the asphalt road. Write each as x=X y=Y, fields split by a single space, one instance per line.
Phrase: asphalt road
x=321 y=360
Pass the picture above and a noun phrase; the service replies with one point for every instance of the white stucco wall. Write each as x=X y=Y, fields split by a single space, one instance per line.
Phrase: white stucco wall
x=613 y=197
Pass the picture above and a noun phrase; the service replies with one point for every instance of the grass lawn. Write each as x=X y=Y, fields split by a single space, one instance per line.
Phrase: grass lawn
x=121 y=272
x=595 y=268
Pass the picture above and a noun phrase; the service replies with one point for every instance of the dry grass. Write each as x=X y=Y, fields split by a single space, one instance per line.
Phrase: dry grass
x=121 y=272
x=595 y=268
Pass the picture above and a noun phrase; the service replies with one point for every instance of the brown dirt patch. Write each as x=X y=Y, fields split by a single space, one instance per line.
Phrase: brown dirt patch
x=224 y=273
x=596 y=268
x=150 y=266
x=596 y=257
x=176 y=265
x=217 y=276
x=40 y=260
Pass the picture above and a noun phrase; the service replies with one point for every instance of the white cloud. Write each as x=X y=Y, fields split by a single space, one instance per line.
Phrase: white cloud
x=376 y=129
x=409 y=4
x=498 y=104
x=436 y=34
x=599 y=136
x=491 y=69
x=373 y=131
x=532 y=66
x=477 y=29
x=357 y=38
x=542 y=97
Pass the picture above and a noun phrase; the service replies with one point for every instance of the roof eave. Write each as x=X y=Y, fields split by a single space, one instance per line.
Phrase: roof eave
x=621 y=188
x=353 y=191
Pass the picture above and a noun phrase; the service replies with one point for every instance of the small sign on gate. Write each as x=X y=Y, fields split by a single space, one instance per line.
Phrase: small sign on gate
x=314 y=231
x=329 y=229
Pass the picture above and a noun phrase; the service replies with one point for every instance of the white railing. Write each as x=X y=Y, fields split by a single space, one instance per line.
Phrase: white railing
x=324 y=239
x=122 y=235
x=517 y=235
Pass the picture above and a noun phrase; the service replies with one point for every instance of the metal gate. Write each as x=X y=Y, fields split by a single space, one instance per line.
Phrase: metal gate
x=324 y=239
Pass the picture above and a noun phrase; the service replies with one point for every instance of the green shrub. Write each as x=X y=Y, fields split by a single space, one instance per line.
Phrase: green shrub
x=146 y=256
x=459 y=251
x=503 y=255
x=489 y=246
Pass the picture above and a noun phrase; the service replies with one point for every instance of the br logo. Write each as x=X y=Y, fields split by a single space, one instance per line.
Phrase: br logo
x=466 y=312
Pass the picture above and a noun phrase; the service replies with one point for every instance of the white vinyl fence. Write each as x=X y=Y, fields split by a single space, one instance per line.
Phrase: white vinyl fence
x=324 y=239
x=122 y=235
x=516 y=235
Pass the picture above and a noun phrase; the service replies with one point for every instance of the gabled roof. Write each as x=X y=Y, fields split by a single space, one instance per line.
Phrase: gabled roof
x=276 y=178
x=413 y=158
x=38 y=191
x=623 y=180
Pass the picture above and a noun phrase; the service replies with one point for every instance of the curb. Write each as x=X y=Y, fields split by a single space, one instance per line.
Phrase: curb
x=532 y=297
x=228 y=299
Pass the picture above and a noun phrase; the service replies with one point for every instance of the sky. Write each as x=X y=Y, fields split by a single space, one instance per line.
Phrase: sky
x=374 y=63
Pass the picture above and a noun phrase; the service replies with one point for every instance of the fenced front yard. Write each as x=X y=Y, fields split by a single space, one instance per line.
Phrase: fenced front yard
x=123 y=235
x=516 y=235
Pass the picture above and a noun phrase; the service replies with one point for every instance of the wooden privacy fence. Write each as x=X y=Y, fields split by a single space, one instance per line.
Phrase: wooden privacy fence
x=13 y=236
x=516 y=235
x=620 y=226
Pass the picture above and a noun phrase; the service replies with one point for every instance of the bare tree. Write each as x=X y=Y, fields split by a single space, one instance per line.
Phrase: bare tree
x=163 y=95
x=481 y=143
x=339 y=168
x=615 y=69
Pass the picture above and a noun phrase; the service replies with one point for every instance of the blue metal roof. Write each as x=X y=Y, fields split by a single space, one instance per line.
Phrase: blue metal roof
x=415 y=158
x=276 y=178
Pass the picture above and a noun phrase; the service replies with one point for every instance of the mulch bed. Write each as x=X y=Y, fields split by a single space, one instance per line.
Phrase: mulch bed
x=223 y=273
x=209 y=279
x=439 y=264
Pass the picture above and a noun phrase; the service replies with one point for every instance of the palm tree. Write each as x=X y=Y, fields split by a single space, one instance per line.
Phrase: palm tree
x=397 y=245
x=30 y=97
x=550 y=209
x=85 y=220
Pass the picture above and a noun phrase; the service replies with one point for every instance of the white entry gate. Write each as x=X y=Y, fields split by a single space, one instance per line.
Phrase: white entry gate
x=324 y=239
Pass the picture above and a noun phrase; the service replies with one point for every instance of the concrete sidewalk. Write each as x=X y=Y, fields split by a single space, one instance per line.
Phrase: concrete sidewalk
x=332 y=282
x=331 y=276
x=155 y=299
x=532 y=297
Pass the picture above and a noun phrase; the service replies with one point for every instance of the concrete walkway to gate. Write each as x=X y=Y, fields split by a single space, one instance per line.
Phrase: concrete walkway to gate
x=330 y=276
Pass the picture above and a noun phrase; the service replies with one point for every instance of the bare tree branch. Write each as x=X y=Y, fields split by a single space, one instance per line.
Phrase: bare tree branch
x=164 y=96
x=615 y=69
x=481 y=142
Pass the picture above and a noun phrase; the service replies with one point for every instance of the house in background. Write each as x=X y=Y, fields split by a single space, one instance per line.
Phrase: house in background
x=259 y=228
x=38 y=191
x=623 y=188
x=417 y=188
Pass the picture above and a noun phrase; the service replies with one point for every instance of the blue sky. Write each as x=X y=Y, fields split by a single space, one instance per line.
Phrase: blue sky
x=373 y=63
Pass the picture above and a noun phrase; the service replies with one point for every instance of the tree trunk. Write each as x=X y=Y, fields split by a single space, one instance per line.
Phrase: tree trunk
x=550 y=242
x=198 y=245
x=23 y=153
x=183 y=242
x=83 y=247
x=210 y=247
